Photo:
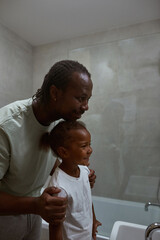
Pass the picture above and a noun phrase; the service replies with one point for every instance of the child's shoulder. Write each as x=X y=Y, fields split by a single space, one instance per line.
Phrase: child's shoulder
x=84 y=168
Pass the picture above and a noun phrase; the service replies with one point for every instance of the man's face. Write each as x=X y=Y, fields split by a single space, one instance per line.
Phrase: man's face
x=73 y=102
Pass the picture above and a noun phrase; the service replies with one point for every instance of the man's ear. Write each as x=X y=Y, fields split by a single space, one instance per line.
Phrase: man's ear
x=62 y=152
x=53 y=93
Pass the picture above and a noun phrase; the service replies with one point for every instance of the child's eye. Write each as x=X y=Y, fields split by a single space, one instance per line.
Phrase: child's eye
x=83 y=146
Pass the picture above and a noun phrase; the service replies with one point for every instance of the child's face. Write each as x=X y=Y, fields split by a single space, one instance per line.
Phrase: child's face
x=79 y=149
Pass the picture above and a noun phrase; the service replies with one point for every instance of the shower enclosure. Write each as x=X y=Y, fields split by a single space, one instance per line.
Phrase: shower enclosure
x=124 y=120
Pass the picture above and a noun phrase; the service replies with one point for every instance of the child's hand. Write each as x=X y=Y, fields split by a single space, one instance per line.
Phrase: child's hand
x=96 y=224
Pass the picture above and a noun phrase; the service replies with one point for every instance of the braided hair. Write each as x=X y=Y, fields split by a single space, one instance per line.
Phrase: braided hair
x=59 y=75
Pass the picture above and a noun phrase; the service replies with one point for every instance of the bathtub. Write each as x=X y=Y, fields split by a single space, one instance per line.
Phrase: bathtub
x=108 y=211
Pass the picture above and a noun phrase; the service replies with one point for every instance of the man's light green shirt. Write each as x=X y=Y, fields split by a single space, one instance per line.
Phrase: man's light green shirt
x=24 y=167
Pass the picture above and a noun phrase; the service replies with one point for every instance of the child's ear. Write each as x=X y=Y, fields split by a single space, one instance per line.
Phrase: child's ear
x=62 y=152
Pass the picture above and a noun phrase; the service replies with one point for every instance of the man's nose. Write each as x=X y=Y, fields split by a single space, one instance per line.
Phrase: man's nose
x=85 y=106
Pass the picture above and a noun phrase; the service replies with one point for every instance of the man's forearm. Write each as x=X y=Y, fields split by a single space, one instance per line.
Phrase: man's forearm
x=47 y=206
x=12 y=205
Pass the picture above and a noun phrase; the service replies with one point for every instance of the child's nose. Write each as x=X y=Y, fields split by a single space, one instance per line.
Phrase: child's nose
x=89 y=150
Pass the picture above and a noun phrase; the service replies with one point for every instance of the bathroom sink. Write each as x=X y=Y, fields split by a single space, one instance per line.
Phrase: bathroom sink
x=130 y=231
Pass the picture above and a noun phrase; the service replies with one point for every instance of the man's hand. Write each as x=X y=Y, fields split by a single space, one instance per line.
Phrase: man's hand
x=51 y=208
x=92 y=177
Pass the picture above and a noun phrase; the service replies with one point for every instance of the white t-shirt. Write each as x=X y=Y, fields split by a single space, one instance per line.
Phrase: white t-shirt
x=24 y=168
x=79 y=220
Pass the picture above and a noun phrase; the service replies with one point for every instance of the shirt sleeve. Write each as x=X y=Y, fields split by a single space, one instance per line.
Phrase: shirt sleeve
x=54 y=179
x=85 y=168
x=4 y=153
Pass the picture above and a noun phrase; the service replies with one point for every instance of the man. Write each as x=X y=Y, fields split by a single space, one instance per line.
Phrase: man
x=24 y=168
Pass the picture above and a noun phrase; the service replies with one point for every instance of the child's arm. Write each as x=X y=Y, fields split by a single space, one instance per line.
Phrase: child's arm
x=96 y=224
x=55 y=232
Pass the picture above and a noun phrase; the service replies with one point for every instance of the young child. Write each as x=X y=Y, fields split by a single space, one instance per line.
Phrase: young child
x=70 y=141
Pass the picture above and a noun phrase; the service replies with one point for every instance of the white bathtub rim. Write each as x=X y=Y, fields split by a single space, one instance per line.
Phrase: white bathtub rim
x=114 y=200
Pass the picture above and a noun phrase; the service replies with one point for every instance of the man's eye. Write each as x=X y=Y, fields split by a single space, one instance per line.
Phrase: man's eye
x=81 y=99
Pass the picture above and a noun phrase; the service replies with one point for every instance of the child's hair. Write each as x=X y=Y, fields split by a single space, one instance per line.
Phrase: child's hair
x=60 y=135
